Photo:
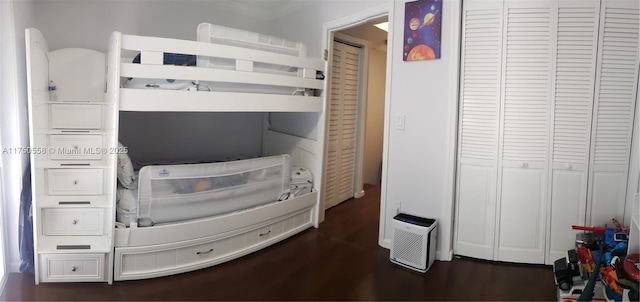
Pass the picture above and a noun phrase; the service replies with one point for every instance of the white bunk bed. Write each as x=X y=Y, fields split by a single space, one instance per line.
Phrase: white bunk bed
x=240 y=71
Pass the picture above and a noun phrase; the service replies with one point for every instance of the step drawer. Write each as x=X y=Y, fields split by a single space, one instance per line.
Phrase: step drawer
x=72 y=267
x=76 y=116
x=78 y=221
x=75 y=181
x=75 y=146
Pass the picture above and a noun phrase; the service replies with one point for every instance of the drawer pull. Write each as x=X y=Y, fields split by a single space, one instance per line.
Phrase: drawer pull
x=75 y=131
x=75 y=182
x=73 y=268
x=73 y=165
x=265 y=234
x=73 y=202
x=202 y=253
x=75 y=221
x=73 y=247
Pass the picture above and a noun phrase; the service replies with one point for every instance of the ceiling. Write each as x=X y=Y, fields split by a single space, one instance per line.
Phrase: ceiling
x=262 y=9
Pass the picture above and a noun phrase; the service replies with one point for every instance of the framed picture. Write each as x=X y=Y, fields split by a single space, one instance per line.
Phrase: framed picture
x=422 y=29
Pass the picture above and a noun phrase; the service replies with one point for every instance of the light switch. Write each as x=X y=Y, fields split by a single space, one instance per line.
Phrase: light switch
x=400 y=122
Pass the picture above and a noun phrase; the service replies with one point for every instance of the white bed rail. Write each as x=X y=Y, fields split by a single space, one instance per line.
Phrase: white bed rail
x=152 y=51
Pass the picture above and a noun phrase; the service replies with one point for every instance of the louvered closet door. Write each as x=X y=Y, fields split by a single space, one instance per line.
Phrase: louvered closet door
x=574 y=83
x=343 y=121
x=614 y=107
x=529 y=46
x=478 y=137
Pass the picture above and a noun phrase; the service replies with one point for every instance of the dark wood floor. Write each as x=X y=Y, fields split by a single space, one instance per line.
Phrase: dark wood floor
x=341 y=260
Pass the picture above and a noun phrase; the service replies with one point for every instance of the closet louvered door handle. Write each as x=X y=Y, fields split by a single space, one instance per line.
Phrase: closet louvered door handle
x=568 y=166
x=203 y=253
x=524 y=165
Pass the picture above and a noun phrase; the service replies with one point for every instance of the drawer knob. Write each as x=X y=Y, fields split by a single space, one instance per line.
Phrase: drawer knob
x=75 y=221
x=75 y=182
x=265 y=234
x=207 y=252
x=73 y=268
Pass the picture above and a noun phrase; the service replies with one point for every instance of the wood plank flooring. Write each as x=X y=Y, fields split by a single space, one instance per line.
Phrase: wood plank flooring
x=341 y=260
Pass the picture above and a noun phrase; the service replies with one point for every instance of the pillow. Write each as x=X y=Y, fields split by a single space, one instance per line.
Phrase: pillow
x=126 y=176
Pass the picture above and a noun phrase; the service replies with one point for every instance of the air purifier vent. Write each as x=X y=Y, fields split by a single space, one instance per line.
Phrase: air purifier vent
x=408 y=247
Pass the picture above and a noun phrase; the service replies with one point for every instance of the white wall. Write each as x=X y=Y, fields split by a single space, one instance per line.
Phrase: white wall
x=374 y=129
x=13 y=116
x=88 y=24
x=420 y=159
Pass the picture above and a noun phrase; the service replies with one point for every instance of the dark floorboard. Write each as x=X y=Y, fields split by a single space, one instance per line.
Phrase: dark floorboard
x=341 y=260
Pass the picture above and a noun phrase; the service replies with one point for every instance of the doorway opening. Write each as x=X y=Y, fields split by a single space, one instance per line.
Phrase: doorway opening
x=356 y=110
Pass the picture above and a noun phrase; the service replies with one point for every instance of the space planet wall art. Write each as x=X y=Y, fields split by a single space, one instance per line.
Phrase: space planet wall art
x=422 y=28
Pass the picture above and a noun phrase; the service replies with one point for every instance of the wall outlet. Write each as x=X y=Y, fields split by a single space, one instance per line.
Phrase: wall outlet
x=396 y=206
x=400 y=121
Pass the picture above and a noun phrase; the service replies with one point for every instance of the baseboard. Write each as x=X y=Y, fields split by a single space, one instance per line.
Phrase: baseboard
x=14 y=267
x=446 y=256
x=385 y=243
x=3 y=282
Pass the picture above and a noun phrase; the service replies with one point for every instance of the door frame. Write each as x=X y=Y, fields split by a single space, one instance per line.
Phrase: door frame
x=328 y=30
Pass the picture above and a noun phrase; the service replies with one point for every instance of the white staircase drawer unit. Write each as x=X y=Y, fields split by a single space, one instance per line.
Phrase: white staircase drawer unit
x=75 y=146
x=72 y=267
x=75 y=181
x=76 y=116
x=77 y=221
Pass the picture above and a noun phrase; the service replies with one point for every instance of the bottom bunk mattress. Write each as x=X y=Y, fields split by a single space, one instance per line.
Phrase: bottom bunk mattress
x=173 y=193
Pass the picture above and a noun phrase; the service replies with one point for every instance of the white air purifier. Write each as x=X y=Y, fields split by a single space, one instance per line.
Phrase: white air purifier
x=414 y=242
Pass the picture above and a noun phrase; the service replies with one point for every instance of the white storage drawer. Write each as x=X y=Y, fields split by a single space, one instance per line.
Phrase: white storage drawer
x=75 y=181
x=72 y=267
x=76 y=221
x=74 y=146
x=76 y=116
x=142 y=262
x=262 y=234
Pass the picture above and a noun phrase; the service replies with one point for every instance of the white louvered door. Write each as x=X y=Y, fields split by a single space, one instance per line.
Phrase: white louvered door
x=546 y=120
x=571 y=130
x=614 y=107
x=529 y=48
x=478 y=134
x=343 y=122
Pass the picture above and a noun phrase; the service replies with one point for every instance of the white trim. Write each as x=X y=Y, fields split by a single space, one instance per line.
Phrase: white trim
x=328 y=28
x=455 y=32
